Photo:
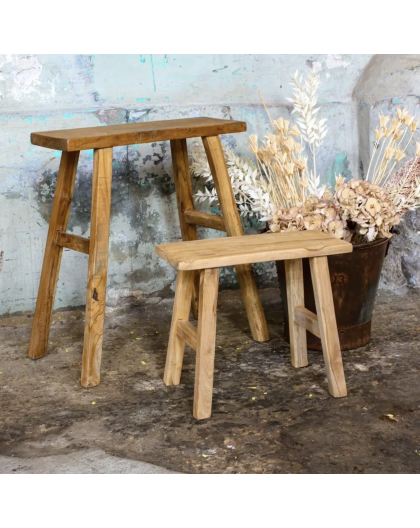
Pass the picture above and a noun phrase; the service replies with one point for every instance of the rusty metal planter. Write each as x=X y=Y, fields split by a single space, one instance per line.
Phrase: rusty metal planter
x=354 y=280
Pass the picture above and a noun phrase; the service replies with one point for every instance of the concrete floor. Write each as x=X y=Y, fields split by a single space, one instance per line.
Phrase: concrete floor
x=267 y=416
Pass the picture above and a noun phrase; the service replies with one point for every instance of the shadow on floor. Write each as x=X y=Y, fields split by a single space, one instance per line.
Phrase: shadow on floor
x=267 y=416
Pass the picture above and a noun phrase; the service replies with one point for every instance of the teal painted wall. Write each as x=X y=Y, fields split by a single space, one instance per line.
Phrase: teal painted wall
x=44 y=92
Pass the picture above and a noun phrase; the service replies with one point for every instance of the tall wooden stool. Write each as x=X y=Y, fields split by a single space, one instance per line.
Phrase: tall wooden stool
x=102 y=140
x=207 y=256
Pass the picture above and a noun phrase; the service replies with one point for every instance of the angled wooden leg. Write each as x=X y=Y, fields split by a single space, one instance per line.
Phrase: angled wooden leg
x=181 y=311
x=52 y=256
x=233 y=226
x=295 y=298
x=328 y=326
x=184 y=199
x=206 y=343
x=97 y=267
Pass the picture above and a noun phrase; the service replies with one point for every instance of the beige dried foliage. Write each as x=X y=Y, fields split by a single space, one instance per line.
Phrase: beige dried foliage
x=284 y=192
x=391 y=141
x=281 y=164
x=281 y=158
x=404 y=186
x=357 y=211
x=315 y=214
x=368 y=206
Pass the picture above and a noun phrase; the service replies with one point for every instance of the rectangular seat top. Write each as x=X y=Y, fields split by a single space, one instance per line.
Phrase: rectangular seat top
x=75 y=139
x=249 y=249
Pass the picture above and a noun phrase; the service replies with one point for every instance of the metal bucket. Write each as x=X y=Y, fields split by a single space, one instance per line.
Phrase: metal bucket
x=354 y=281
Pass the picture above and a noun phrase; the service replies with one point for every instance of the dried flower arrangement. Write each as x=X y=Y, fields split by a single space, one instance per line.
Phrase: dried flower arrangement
x=252 y=194
x=284 y=192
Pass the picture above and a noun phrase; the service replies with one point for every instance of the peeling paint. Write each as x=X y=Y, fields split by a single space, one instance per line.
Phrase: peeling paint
x=340 y=165
x=336 y=61
x=26 y=74
x=332 y=61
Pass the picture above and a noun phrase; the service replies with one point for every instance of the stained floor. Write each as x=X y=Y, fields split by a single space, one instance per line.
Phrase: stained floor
x=267 y=416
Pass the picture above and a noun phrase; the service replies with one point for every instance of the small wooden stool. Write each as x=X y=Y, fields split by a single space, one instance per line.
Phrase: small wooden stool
x=208 y=256
x=102 y=140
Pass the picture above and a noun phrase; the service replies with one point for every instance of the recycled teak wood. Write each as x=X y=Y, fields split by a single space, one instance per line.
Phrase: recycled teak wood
x=207 y=256
x=102 y=140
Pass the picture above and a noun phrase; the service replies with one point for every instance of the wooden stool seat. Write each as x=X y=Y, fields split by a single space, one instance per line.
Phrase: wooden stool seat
x=208 y=256
x=219 y=252
x=76 y=139
x=102 y=140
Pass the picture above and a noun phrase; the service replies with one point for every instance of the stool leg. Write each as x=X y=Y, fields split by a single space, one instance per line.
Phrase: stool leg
x=184 y=199
x=328 y=326
x=233 y=225
x=97 y=267
x=206 y=343
x=181 y=310
x=52 y=256
x=295 y=298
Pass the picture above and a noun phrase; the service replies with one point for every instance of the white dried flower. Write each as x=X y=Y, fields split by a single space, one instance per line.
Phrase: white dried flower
x=251 y=193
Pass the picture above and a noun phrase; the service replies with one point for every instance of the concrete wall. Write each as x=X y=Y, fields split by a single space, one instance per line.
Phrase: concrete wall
x=389 y=82
x=44 y=92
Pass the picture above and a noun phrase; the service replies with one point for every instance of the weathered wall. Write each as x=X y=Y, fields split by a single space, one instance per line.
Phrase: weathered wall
x=44 y=92
x=389 y=82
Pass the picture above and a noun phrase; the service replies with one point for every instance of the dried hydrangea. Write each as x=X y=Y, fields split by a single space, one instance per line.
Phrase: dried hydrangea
x=368 y=206
x=315 y=214
x=357 y=211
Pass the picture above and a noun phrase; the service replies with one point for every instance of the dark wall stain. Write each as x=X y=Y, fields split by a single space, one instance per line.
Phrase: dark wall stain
x=134 y=181
x=140 y=175
x=145 y=274
x=111 y=116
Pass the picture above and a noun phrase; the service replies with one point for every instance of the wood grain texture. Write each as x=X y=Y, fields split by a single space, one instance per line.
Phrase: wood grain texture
x=181 y=310
x=307 y=319
x=328 y=326
x=205 y=220
x=134 y=133
x=206 y=344
x=97 y=267
x=184 y=200
x=223 y=185
x=213 y=253
x=244 y=273
x=295 y=298
x=74 y=242
x=187 y=333
x=52 y=256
